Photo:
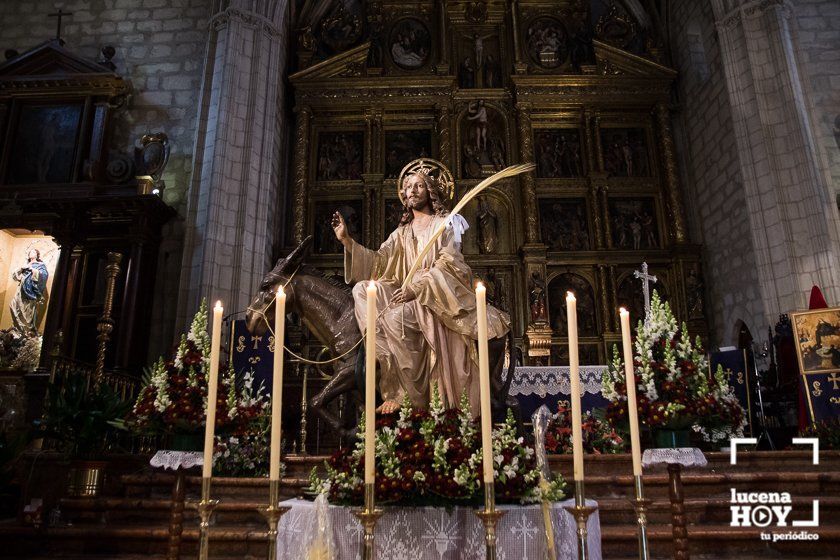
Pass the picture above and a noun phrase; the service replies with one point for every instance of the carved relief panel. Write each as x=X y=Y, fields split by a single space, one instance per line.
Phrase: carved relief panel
x=565 y=224
x=478 y=55
x=403 y=146
x=339 y=156
x=634 y=224
x=558 y=153
x=626 y=152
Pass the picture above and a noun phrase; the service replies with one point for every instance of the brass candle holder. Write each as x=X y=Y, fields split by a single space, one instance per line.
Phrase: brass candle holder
x=272 y=513
x=205 y=509
x=641 y=505
x=490 y=517
x=581 y=512
x=368 y=516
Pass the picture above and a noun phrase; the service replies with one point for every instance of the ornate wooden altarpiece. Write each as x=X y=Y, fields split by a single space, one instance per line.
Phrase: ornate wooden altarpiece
x=578 y=89
x=58 y=176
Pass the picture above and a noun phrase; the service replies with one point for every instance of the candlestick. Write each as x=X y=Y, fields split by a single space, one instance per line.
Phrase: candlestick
x=484 y=378
x=368 y=517
x=641 y=505
x=205 y=510
x=212 y=390
x=581 y=512
x=370 y=386
x=574 y=377
x=277 y=387
x=630 y=378
x=272 y=515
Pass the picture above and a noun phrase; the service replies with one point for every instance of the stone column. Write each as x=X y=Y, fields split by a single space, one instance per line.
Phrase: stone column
x=676 y=211
x=792 y=212
x=236 y=189
x=301 y=180
x=529 y=185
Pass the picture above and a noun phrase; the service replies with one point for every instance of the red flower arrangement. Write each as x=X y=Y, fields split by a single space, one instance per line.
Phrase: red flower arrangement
x=599 y=437
x=173 y=398
x=434 y=458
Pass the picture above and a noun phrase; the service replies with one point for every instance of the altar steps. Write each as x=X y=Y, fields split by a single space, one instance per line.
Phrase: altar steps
x=134 y=515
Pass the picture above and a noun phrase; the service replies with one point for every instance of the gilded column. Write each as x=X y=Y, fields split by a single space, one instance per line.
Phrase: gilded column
x=675 y=205
x=443 y=56
x=444 y=130
x=369 y=117
x=529 y=186
x=599 y=152
x=518 y=66
x=605 y=212
x=299 y=194
x=609 y=319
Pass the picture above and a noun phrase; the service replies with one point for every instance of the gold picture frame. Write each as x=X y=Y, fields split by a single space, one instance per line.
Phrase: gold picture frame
x=817 y=337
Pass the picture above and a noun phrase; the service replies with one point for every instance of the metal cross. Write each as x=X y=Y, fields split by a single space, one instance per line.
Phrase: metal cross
x=59 y=15
x=646 y=279
x=835 y=379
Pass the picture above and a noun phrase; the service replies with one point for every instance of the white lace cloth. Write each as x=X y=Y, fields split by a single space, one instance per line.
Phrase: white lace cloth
x=432 y=533
x=685 y=456
x=553 y=380
x=174 y=460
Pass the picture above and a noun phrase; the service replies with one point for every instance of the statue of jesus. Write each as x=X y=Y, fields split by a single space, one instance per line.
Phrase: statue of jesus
x=427 y=331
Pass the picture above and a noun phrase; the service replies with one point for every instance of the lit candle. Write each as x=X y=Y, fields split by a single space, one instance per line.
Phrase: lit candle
x=370 y=385
x=632 y=408
x=277 y=384
x=574 y=377
x=212 y=390
x=484 y=378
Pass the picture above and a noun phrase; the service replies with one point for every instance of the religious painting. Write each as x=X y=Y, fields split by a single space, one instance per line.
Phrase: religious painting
x=340 y=156
x=479 y=60
x=625 y=152
x=585 y=296
x=393 y=211
x=403 y=146
x=325 y=241
x=482 y=140
x=558 y=152
x=564 y=226
x=410 y=44
x=633 y=223
x=546 y=42
x=615 y=26
x=631 y=297
x=817 y=335
x=587 y=355
x=340 y=29
x=45 y=144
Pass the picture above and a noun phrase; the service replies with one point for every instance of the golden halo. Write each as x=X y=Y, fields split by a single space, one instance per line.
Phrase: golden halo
x=432 y=168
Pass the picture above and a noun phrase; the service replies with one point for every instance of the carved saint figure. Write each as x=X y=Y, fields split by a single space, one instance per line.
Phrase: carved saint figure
x=478 y=112
x=488 y=227
x=33 y=285
x=425 y=331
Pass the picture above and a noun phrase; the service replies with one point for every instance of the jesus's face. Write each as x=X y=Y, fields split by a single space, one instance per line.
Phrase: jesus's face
x=416 y=193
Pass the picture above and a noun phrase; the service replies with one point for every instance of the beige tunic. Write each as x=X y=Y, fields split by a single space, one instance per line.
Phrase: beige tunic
x=431 y=338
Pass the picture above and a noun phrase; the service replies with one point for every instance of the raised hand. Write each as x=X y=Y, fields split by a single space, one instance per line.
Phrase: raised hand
x=340 y=228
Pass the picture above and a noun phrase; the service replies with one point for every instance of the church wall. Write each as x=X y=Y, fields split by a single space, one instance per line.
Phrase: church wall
x=711 y=176
x=818 y=29
x=160 y=46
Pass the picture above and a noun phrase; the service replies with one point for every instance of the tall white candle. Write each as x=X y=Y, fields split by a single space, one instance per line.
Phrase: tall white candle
x=212 y=390
x=370 y=386
x=277 y=384
x=484 y=383
x=630 y=378
x=574 y=377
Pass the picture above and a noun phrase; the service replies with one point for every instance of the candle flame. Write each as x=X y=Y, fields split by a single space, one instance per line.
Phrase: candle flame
x=570 y=296
x=280 y=291
x=219 y=304
x=479 y=286
x=622 y=311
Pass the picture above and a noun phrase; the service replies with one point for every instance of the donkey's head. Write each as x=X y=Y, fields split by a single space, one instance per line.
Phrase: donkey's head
x=261 y=310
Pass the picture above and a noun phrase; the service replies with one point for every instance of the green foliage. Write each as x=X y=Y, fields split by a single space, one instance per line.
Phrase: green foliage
x=81 y=418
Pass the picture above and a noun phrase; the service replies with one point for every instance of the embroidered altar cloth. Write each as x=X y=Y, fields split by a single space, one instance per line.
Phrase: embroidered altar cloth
x=434 y=533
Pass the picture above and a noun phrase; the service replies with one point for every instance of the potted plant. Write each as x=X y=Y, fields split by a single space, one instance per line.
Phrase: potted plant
x=81 y=418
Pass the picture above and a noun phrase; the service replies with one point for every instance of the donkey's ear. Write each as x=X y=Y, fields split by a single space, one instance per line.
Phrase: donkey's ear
x=298 y=254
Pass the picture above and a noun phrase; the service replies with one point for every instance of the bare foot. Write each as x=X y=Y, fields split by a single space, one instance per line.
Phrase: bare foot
x=388 y=407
